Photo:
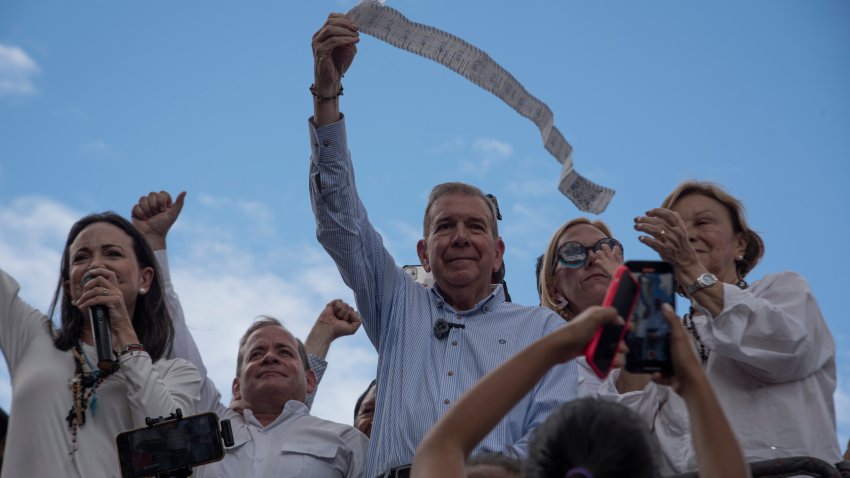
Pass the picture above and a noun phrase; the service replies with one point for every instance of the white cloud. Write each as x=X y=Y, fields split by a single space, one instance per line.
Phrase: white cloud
x=221 y=297
x=486 y=153
x=16 y=71
x=260 y=214
x=476 y=157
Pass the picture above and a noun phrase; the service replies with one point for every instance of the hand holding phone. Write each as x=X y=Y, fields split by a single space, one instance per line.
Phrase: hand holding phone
x=649 y=338
x=602 y=348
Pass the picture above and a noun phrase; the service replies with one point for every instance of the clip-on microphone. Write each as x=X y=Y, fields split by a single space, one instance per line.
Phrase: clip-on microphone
x=442 y=328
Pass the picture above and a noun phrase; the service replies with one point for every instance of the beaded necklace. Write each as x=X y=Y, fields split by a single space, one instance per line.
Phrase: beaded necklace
x=688 y=320
x=84 y=385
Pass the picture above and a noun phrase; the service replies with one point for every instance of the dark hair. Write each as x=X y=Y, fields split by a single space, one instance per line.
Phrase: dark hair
x=606 y=438
x=151 y=319
x=506 y=463
x=363 y=397
x=268 y=321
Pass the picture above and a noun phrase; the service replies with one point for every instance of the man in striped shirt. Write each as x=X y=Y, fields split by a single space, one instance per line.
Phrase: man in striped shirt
x=432 y=343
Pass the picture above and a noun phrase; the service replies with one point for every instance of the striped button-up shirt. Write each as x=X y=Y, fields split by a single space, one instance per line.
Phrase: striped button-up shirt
x=419 y=375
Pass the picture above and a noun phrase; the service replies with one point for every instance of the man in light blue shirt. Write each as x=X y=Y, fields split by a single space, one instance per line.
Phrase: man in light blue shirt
x=433 y=343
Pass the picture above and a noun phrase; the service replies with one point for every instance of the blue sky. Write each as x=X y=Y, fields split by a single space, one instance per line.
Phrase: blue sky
x=101 y=102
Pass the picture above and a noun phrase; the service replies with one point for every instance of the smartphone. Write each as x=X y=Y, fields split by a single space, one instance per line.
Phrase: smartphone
x=602 y=348
x=649 y=337
x=418 y=273
x=172 y=444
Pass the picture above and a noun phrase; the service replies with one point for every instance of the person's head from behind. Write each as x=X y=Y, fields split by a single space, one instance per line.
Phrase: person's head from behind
x=107 y=245
x=493 y=465
x=461 y=246
x=570 y=276
x=271 y=368
x=591 y=437
x=364 y=409
x=717 y=229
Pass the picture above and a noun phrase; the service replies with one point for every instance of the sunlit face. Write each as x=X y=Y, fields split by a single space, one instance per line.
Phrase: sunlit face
x=460 y=249
x=366 y=414
x=711 y=234
x=272 y=369
x=104 y=246
x=586 y=285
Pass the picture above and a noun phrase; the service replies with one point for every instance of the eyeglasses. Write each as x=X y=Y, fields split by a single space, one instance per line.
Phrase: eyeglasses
x=573 y=255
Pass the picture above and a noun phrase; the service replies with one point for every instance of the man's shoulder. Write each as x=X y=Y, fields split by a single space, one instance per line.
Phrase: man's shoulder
x=535 y=311
x=329 y=429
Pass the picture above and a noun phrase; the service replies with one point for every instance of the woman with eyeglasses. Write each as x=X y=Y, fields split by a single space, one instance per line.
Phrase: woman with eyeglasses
x=765 y=346
x=574 y=275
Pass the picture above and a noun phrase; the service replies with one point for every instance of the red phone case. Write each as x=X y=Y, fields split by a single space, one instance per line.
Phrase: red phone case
x=621 y=275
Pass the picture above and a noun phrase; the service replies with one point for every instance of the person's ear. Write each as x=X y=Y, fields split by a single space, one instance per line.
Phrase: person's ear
x=422 y=252
x=146 y=278
x=311 y=381
x=740 y=244
x=500 y=254
x=235 y=391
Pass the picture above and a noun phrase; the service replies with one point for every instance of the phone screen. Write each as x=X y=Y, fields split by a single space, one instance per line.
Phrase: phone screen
x=170 y=445
x=649 y=336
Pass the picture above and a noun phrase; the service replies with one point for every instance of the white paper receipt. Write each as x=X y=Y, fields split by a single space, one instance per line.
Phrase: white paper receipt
x=390 y=26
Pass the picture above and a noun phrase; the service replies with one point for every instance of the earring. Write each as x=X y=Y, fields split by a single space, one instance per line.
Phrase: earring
x=562 y=303
x=142 y=291
x=739 y=258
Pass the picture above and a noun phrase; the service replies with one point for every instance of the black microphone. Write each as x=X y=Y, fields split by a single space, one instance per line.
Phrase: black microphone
x=442 y=328
x=99 y=318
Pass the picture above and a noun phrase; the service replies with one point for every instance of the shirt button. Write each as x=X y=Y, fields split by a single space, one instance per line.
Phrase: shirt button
x=454 y=343
x=451 y=373
x=446 y=401
x=326 y=143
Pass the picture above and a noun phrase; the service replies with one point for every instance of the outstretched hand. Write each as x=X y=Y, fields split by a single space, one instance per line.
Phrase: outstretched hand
x=340 y=317
x=582 y=328
x=610 y=259
x=154 y=215
x=336 y=320
x=668 y=236
x=334 y=47
x=686 y=365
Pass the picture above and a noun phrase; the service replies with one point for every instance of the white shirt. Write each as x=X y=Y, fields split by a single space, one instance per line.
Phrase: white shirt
x=588 y=381
x=38 y=438
x=295 y=445
x=772 y=365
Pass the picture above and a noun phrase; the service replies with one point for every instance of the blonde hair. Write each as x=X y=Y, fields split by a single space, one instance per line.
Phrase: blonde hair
x=550 y=257
x=755 y=246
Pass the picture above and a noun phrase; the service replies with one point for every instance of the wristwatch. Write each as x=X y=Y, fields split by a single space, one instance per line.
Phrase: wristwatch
x=706 y=279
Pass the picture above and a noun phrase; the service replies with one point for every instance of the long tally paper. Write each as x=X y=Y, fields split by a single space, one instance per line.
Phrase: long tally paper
x=390 y=26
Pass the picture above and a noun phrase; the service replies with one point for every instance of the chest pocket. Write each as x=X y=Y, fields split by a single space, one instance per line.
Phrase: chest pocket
x=310 y=459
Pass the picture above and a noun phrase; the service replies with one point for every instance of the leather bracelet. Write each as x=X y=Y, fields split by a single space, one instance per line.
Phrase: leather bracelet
x=131 y=348
x=321 y=99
